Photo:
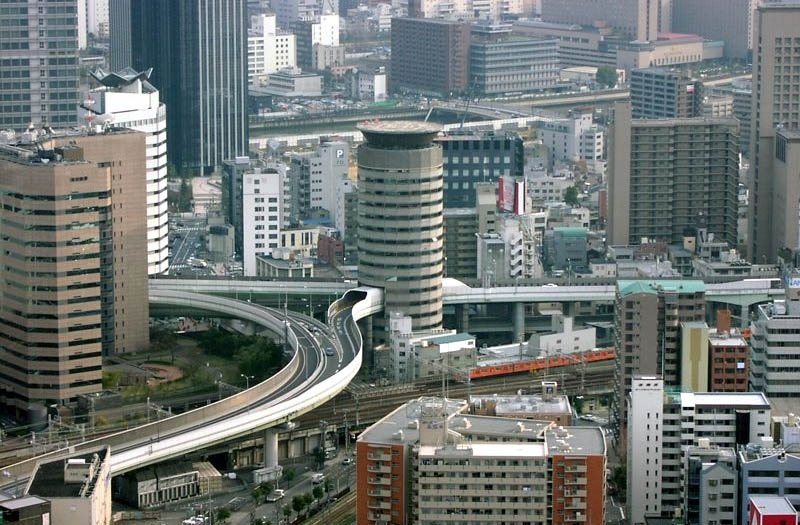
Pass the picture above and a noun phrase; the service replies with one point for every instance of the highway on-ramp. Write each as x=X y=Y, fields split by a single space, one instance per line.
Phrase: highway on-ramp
x=309 y=380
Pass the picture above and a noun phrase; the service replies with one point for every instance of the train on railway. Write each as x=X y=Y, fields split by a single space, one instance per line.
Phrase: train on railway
x=552 y=363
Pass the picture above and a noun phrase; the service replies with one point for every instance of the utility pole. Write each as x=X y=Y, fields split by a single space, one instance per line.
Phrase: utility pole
x=346 y=435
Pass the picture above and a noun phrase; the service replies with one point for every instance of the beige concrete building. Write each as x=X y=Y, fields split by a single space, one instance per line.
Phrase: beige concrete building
x=73 y=264
x=647 y=319
x=123 y=271
x=400 y=222
x=786 y=189
x=776 y=88
x=669 y=50
x=636 y=18
x=693 y=161
x=78 y=488
x=694 y=357
x=719 y=106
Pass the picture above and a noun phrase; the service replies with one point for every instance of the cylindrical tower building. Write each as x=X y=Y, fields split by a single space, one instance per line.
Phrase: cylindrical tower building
x=400 y=225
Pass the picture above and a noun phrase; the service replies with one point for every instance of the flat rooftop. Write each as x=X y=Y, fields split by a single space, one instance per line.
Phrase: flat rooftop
x=450 y=338
x=399 y=133
x=724 y=453
x=529 y=404
x=48 y=478
x=724 y=339
x=626 y=287
x=488 y=450
x=402 y=418
x=694 y=324
x=470 y=424
x=725 y=399
x=405 y=418
x=21 y=503
x=575 y=440
x=400 y=127
x=773 y=505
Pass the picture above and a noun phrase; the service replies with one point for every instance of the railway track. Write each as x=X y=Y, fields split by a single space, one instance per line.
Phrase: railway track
x=336 y=513
x=371 y=405
x=365 y=407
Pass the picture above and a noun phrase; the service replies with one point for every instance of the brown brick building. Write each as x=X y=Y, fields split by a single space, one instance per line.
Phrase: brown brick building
x=430 y=55
x=729 y=361
x=73 y=264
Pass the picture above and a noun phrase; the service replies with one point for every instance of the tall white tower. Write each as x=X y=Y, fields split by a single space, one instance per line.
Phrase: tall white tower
x=645 y=425
x=127 y=100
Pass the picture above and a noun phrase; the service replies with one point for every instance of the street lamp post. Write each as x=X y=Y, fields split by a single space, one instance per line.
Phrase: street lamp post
x=247 y=380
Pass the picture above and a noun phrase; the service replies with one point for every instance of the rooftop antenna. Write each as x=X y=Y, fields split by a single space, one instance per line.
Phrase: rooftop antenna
x=90 y=114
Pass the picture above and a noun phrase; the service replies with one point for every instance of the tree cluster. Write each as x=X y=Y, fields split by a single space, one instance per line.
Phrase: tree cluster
x=255 y=356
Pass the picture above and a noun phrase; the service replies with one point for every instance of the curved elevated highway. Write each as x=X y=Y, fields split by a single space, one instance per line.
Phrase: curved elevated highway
x=309 y=380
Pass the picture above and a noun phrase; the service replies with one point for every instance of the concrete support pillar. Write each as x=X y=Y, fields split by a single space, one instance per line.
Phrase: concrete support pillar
x=270 y=448
x=569 y=309
x=369 y=356
x=518 y=317
x=462 y=318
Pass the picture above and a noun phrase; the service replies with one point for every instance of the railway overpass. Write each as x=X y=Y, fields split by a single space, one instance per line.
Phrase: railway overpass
x=497 y=313
x=746 y=292
x=310 y=379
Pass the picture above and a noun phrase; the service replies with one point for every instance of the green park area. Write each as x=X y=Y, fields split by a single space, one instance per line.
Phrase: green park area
x=182 y=371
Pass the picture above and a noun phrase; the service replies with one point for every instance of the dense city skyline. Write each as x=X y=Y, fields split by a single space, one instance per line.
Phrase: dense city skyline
x=418 y=262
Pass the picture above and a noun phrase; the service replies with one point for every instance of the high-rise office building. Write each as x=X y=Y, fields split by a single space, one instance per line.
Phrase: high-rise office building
x=262 y=215
x=400 y=223
x=776 y=87
x=269 y=49
x=254 y=200
x=694 y=161
x=773 y=347
x=288 y=11
x=316 y=39
x=501 y=62
x=73 y=278
x=92 y=20
x=198 y=53
x=127 y=100
x=39 y=61
x=674 y=437
x=475 y=157
x=664 y=93
x=728 y=20
x=574 y=138
x=647 y=319
x=636 y=18
x=445 y=46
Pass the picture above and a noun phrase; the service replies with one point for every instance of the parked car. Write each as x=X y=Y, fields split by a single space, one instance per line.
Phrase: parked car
x=275 y=495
